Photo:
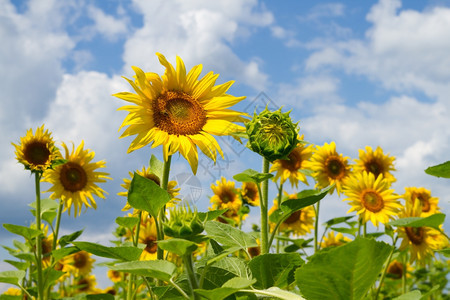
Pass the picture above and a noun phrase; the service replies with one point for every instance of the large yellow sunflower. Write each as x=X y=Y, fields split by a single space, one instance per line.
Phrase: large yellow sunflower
x=147 y=173
x=75 y=181
x=226 y=196
x=300 y=222
x=329 y=167
x=427 y=203
x=375 y=162
x=37 y=151
x=249 y=193
x=371 y=198
x=292 y=167
x=179 y=111
x=332 y=240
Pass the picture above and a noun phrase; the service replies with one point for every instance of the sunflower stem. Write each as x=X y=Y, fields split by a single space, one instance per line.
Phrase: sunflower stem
x=55 y=236
x=264 y=210
x=189 y=268
x=316 y=227
x=280 y=191
x=383 y=275
x=37 y=177
x=162 y=213
x=132 y=277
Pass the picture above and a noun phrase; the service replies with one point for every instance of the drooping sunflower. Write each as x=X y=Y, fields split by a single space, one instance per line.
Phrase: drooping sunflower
x=37 y=151
x=428 y=204
x=332 y=240
x=180 y=112
x=149 y=174
x=148 y=236
x=75 y=182
x=249 y=193
x=86 y=284
x=226 y=196
x=329 y=167
x=300 y=222
x=82 y=262
x=371 y=198
x=294 y=167
x=375 y=162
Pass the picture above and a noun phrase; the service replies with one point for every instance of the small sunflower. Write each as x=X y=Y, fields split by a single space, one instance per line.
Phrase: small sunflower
x=428 y=204
x=82 y=262
x=371 y=198
x=332 y=240
x=75 y=181
x=148 y=236
x=293 y=168
x=149 y=174
x=37 y=151
x=375 y=162
x=300 y=222
x=329 y=167
x=249 y=193
x=226 y=196
x=115 y=276
x=395 y=269
x=12 y=291
x=180 y=112
x=86 y=284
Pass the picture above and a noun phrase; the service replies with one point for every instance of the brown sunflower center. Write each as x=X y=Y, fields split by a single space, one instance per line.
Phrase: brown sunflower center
x=372 y=201
x=80 y=260
x=151 y=246
x=373 y=167
x=295 y=216
x=251 y=192
x=36 y=153
x=334 y=167
x=425 y=201
x=415 y=234
x=84 y=284
x=153 y=178
x=178 y=113
x=227 y=196
x=395 y=269
x=73 y=177
x=294 y=161
x=254 y=251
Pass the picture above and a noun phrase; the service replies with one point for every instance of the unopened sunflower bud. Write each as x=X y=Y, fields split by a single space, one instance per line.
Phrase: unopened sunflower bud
x=183 y=223
x=272 y=134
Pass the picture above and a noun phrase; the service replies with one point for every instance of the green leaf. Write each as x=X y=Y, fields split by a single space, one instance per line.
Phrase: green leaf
x=229 y=236
x=278 y=293
x=351 y=231
x=127 y=222
x=445 y=252
x=159 y=269
x=442 y=170
x=180 y=247
x=144 y=194
x=413 y=295
x=251 y=175
x=63 y=252
x=67 y=239
x=345 y=272
x=51 y=275
x=275 y=269
x=156 y=166
x=26 y=232
x=335 y=221
x=211 y=215
x=239 y=283
x=304 y=198
x=121 y=253
x=18 y=264
x=433 y=221
x=230 y=287
x=12 y=277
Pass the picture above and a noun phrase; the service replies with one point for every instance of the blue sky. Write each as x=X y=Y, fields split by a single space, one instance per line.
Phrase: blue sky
x=358 y=73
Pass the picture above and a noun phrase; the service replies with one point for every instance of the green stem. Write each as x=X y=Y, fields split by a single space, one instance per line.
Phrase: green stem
x=162 y=213
x=280 y=196
x=264 y=196
x=404 y=274
x=39 y=238
x=55 y=237
x=364 y=229
x=316 y=227
x=178 y=288
x=189 y=267
x=383 y=275
x=132 y=277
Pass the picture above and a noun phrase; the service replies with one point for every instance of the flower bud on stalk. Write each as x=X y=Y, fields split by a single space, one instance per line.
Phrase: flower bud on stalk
x=183 y=223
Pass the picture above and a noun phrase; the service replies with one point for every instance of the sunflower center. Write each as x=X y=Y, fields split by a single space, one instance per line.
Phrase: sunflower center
x=415 y=234
x=424 y=200
x=153 y=178
x=84 y=284
x=294 y=161
x=395 y=269
x=73 y=177
x=334 y=167
x=254 y=251
x=295 y=216
x=373 y=167
x=151 y=247
x=251 y=193
x=37 y=153
x=80 y=260
x=227 y=196
x=372 y=201
x=178 y=113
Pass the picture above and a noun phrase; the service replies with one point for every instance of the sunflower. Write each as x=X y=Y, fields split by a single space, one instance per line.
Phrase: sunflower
x=149 y=174
x=294 y=167
x=249 y=193
x=427 y=203
x=329 y=167
x=148 y=236
x=226 y=196
x=300 y=222
x=396 y=268
x=82 y=262
x=179 y=111
x=371 y=198
x=86 y=284
x=375 y=162
x=12 y=291
x=37 y=151
x=332 y=240
x=115 y=276
x=74 y=182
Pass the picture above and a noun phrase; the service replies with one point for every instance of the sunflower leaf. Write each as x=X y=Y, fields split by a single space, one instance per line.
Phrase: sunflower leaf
x=144 y=194
x=304 y=198
x=156 y=166
x=67 y=239
x=345 y=272
x=211 y=215
x=20 y=265
x=63 y=252
x=180 y=247
x=229 y=236
x=127 y=222
x=12 y=277
x=159 y=269
x=228 y=288
x=251 y=175
x=121 y=253
x=441 y=170
x=26 y=232
x=433 y=221
x=338 y=220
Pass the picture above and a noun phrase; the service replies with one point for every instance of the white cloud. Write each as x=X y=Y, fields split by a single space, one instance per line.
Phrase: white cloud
x=200 y=32
x=107 y=25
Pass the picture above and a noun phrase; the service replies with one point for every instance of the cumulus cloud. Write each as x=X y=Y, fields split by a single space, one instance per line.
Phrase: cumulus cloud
x=107 y=25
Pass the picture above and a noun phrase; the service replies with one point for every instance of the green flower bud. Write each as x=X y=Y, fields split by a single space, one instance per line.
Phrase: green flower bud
x=183 y=223
x=272 y=134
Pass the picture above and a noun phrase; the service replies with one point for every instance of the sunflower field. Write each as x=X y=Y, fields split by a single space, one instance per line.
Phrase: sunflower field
x=165 y=248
